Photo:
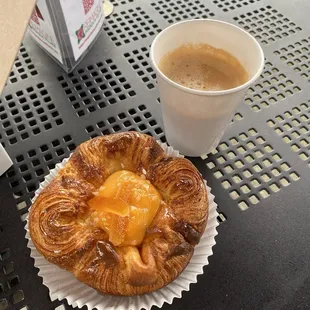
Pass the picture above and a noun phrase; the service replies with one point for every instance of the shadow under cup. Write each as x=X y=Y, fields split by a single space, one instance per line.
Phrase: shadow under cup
x=195 y=120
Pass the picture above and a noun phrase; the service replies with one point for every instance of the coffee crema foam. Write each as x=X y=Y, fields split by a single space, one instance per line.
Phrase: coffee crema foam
x=203 y=67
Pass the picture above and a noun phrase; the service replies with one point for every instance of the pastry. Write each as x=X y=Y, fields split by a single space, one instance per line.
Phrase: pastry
x=121 y=215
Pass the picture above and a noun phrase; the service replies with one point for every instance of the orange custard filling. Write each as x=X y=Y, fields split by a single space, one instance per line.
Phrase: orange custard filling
x=124 y=207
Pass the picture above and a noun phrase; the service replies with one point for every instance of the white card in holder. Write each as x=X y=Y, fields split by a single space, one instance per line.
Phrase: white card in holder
x=5 y=160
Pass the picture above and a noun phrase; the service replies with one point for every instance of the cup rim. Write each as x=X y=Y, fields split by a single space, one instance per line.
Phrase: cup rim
x=208 y=92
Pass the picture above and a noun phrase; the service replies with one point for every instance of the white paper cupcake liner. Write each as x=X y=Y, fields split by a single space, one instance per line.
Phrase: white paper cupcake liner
x=63 y=285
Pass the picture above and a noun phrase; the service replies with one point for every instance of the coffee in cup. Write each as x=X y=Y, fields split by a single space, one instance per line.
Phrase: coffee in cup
x=203 y=67
x=199 y=101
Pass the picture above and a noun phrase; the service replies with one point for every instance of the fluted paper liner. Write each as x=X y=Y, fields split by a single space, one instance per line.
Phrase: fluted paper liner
x=62 y=284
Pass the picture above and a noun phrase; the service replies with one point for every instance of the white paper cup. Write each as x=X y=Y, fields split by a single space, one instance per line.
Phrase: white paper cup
x=62 y=284
x=195 y=120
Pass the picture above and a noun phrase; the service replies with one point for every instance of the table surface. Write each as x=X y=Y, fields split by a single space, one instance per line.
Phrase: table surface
x=259 y=174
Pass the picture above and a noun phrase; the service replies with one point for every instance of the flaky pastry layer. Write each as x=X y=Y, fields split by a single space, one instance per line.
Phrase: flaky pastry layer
x=62 y=232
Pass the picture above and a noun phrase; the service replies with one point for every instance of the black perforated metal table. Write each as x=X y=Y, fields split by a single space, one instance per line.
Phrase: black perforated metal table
x=259 y=173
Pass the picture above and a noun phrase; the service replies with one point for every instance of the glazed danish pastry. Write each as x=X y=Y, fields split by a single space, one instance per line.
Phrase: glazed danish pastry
x=122 y=216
